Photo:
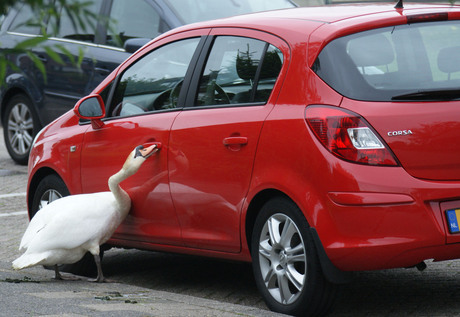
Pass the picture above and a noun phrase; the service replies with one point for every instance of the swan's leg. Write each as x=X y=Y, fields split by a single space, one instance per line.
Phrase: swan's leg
x=59 y=277
x=100 y=276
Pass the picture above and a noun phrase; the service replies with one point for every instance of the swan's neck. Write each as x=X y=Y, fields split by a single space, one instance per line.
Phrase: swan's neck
x=121 y=196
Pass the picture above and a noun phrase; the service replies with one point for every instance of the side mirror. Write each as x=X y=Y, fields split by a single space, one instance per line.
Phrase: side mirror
x=134 y=44
x=91 y=108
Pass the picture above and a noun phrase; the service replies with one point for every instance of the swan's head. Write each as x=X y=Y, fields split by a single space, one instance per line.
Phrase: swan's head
x=137 y=157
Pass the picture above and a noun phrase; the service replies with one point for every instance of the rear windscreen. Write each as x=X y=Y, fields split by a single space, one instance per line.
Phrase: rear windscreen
x=420 y=61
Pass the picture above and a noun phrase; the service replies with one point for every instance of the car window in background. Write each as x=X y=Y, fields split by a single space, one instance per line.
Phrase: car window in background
x=200 y=10
x=154 y=82
x=20 y=23
x=232 y=74
x=69 y=30
x=133 y=19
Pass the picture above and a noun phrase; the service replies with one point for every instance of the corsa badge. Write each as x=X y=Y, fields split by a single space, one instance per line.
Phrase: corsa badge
x=399 y=133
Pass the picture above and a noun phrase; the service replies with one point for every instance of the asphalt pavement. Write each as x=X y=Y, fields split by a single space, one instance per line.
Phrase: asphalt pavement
x=158 y=284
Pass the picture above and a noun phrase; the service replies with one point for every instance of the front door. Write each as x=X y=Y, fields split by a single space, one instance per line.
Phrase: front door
x=142 y=110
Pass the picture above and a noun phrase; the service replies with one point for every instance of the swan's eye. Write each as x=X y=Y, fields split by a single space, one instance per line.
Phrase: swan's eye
x=138 y=151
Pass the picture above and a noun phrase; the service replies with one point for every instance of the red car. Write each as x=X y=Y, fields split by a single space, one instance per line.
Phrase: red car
x=313 y=142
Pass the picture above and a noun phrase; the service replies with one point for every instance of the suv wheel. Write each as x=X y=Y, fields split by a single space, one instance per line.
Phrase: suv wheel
x=285 y=262
x=19 y=127
x=51 y=188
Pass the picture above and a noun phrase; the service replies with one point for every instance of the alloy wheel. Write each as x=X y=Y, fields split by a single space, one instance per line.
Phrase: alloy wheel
x=48 y=197
x=282 y=258
x=20 y=128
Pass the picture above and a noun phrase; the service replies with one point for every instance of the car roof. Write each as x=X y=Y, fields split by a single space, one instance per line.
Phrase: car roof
x=333 y=13
x=329 y=14
x=319 y=25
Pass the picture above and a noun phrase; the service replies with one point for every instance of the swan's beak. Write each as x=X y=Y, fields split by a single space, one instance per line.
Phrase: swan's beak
x=146 y=152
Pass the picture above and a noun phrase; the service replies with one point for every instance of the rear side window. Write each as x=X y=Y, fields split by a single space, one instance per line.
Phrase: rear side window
x=23 y=23
x=239 y=70
x=65 y=26
x=420 y=61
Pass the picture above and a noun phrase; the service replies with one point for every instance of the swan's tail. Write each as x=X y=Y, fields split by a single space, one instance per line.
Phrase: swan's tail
x=27 y=260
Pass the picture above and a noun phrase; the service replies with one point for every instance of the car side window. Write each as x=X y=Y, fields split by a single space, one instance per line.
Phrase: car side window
x=234 y=73
x=21 y=23
x=154 y=82
x=67 y=28
x=133 y=19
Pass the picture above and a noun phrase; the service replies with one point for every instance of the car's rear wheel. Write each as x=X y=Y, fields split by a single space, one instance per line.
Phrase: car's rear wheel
x=285 y=262
x=51 y=188
x=20 y=126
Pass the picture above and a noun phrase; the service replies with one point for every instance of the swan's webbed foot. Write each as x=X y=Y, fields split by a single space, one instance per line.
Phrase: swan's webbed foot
x=101 y=280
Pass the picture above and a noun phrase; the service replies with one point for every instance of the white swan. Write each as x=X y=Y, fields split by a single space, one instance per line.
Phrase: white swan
x=63 y=231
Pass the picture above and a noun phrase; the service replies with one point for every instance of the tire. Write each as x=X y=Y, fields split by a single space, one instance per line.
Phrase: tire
x=50 y=188
x=20 y=126
x=286 y=267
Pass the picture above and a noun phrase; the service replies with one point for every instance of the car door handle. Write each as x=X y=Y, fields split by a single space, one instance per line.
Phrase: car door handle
x=102 y=70
x=236 y=140
x=158 y=144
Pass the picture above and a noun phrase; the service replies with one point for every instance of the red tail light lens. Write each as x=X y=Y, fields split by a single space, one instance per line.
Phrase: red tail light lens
x=348 y=136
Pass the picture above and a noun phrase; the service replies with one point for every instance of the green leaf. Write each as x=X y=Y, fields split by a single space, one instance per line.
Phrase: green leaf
x=3 y=64
x=81 y=55
x=54 y=56
x=30 y=43
x=67 y=53
x=38 y=63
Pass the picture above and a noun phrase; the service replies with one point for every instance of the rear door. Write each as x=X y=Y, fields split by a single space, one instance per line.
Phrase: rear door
x=214 y=139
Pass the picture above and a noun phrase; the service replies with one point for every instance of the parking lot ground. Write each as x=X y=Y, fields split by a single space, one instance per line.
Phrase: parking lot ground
x=34 y=293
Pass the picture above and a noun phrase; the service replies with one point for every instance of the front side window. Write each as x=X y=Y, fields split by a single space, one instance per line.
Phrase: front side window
x=68 y=27
x=154 y=82
x=420 y=61
x=239 y=70
x=133 y=19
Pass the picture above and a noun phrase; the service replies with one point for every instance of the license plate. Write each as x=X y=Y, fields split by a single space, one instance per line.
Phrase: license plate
x=453 y=219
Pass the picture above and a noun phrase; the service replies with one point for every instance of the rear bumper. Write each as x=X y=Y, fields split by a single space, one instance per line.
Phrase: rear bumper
x=394 y=221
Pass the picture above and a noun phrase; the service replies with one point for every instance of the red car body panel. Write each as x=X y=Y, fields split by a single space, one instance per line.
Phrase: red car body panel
x=425 y=143
x=215 y=162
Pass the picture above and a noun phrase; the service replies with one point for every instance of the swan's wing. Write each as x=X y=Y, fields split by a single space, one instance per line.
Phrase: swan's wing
x=41 y=218
x=70 y=222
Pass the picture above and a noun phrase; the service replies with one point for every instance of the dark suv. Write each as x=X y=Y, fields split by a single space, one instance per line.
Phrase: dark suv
x=29 y=101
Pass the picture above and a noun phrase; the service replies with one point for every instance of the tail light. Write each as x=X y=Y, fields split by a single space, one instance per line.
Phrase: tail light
x=348 y=136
